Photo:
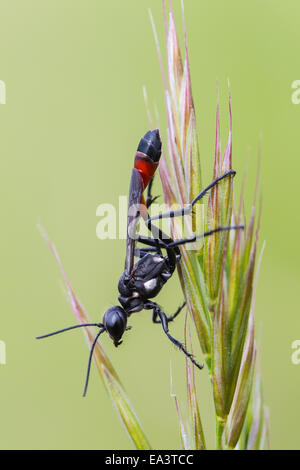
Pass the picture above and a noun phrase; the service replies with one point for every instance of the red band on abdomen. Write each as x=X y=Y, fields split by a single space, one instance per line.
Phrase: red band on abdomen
x=145 y=166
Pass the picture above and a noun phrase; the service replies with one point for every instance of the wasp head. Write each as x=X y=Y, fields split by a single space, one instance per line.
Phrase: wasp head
x=114 y=321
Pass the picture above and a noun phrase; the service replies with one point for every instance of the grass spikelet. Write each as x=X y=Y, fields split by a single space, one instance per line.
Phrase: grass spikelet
x=217 y=276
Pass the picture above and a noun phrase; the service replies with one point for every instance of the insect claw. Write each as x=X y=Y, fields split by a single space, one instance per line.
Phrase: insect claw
x=154 y=199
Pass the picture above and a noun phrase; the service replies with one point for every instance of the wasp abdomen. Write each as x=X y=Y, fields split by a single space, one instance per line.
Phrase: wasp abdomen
x=147 y=155
x=150 y=145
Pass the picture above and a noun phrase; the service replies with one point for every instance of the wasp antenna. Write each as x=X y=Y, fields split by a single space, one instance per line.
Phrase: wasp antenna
x=100 y=325
x=90 y=361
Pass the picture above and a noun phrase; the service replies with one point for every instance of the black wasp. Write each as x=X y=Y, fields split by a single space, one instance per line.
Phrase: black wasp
x=142 y=281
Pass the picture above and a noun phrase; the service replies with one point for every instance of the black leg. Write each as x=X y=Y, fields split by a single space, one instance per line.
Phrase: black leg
x=171 y=317
x=188 y=209
x=151 y=242
x=150 y=199
x=141 y=253
x=154 y=230
x=157 y=312
x=173 y=244
x=161 y=240
x=206 y=234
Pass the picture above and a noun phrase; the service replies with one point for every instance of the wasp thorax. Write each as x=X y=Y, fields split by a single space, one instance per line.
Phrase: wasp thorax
x=115 y=320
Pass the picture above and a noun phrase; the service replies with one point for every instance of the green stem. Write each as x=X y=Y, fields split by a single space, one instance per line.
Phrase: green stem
x=219 y=432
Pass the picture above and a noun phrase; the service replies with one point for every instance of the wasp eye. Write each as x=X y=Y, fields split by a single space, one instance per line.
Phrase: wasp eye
x=115 y=320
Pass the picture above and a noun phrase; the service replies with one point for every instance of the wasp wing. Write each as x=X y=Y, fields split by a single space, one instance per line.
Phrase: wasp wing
x=136 y=189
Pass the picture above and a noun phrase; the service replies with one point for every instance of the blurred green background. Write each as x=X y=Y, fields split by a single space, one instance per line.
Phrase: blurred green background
x=74 y=71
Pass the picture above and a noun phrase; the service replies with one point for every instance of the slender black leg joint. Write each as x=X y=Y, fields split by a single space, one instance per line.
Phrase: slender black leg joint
x=150 y=199
x=188 y=209
x=157 y=312
x=171 y=317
